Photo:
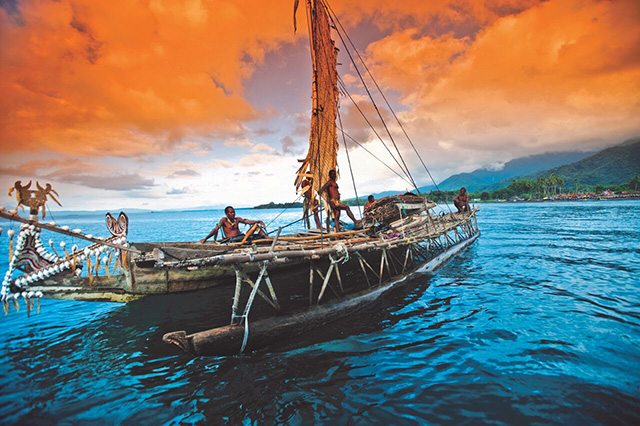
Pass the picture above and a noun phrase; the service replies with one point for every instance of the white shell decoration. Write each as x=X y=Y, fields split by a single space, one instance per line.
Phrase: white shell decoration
x=77 y=231
x=67 y=264
x=52 y=224
x=40 y=275
x=64 y=228
x=74 y=247
x=89 y=235
x=63 y=244
x=11 y=233
x=39 y=293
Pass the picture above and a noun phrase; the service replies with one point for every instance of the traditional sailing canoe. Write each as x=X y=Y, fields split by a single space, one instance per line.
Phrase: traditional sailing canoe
x=295 y=282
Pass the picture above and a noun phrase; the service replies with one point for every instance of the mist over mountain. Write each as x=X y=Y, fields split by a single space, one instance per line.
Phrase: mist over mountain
x=611 y=166
x=480 y=179
x=614 y=165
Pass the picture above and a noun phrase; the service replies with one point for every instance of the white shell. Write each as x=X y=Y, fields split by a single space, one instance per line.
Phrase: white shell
x=89 y=235
x=67 y=264
x=40 y=275
x=52 y=224
x=63 y=244
x=74 y=247
x=64 y=228
x=11 y=233
x=77 y=231
x=50 y=242
x=104 y=260
x=39 y=293
x=32 y=227
x=56 y=269
x=31 y=294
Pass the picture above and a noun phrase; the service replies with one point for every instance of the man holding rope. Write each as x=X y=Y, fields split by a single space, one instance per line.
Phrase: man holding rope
x=229 y=225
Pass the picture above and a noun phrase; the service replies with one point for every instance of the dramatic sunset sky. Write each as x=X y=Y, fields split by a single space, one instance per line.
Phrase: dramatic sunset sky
x=166 y=104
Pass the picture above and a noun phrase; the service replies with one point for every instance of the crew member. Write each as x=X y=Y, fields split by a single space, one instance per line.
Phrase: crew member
x=334 y=201
x=229 y=225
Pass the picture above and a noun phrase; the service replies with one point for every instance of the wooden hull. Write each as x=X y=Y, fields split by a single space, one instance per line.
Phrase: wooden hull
x=136 y=282
x=228 y=340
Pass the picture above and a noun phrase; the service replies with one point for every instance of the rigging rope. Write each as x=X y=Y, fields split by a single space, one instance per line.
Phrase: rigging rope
x=406 y=169
x=344 y=140
x=374 y=156
x=344 y=88
x=333 y=15
x=280 y=214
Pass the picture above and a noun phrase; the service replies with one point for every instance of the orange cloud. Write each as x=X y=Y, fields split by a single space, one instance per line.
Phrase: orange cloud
x=434 y=16
x=94 y=78
x=557 y=73
x=101 y=77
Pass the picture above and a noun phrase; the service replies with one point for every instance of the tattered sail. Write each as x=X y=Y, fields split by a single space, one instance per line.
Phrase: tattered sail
x=323 y=143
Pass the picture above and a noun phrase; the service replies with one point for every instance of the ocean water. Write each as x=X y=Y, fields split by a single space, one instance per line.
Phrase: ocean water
x=537 y=322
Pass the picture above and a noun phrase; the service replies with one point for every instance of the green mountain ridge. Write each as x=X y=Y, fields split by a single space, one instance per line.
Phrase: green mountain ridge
x=611 y=166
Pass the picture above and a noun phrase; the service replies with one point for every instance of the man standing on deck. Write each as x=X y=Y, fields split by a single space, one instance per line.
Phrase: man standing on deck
x=461 y=201
x=229 y=225
x=334 y=201
x=310 y=203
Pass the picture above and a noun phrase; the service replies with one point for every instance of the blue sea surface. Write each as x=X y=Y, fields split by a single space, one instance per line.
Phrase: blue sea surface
x=537 y=322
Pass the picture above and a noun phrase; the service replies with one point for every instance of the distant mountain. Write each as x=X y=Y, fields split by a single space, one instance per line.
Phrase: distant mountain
x=611 y=166
x=480 y=179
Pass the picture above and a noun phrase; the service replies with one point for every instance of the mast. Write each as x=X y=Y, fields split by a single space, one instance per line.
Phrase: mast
x=323 y=142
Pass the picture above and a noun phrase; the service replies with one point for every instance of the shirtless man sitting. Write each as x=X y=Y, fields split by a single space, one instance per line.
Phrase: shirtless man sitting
x=461 y=201
x=229 y=225
x=370 y=200
x=334 y=200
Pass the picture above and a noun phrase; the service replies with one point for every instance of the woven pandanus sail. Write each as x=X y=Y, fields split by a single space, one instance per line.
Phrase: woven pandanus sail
x=323 y=143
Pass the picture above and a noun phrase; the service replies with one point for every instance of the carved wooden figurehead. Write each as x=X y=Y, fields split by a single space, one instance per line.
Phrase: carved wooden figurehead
x=33 y=198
